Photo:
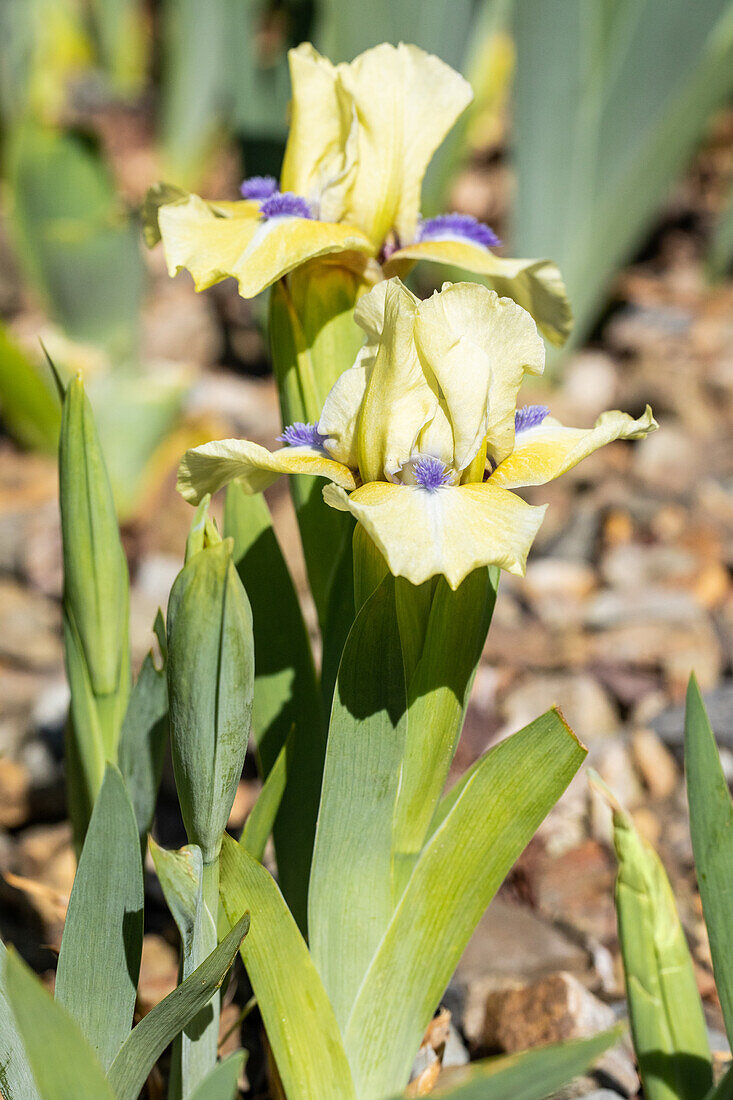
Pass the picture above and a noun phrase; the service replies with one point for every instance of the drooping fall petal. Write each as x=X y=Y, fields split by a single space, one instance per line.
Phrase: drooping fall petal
x=452 y=530
x=536 y=285
x=214 y=241
x=548 y=450
x=210 y=467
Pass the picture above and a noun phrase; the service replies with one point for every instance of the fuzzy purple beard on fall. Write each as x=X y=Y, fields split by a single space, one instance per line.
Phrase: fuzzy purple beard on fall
x=457 y=225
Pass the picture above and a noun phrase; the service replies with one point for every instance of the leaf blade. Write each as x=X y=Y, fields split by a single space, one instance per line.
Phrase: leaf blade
x=711 y=827
x=298 y=1017
x=454 y=880
x=99 y=961
x=155 y=1031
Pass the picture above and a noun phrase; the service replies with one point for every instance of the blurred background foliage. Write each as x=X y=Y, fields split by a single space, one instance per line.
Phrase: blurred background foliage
x=607 y=101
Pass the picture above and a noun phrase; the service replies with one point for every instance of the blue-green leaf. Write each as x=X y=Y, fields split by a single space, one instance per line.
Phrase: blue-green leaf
x=99 y=961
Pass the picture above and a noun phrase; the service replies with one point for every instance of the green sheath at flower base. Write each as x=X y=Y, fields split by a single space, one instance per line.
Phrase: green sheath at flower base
x=210 y=689
x=95 y=604
x=210 y=685
x=665 y=1010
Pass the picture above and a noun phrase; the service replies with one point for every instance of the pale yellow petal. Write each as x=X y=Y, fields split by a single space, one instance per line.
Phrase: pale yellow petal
x=398 y=401
x=479 y=347
x=216 y=241
x=536 y=285
x=406 y=101
x=451 y=531
x=320 y=155
x=212 y=466
x=340 y=414
x=549 y=450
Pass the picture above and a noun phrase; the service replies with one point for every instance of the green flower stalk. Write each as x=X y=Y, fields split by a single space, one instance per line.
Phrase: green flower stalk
x=210 y=688
x=95 y=607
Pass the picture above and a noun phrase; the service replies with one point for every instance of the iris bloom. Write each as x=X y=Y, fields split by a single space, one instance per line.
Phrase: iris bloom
x=361 y=137
x=421 y=439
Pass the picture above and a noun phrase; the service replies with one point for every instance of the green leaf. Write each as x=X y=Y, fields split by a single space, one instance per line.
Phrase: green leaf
x=724 y=1088
x=122 y=33
x=181 y=876
x=99 y=961
x=16 y=1079
x=28 y=405
x=261 y=819
x=155 y=1031
x=531 y=1075
x=351 y=892
x=455 y=878
x=300 y=1024
x=143 y=741
x=447 y=649
x=221 y=1083
x=74 y=242
x=95 y=604
x=611 y=99
x=286 y=695
x=313 y=337
x=711 y=826
x=665 y=1010
x=210 y=684
x=720 y=252
x=61 y=1059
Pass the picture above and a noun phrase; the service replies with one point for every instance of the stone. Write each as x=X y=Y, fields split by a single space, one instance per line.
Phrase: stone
x=669 y=461
x=590 y=384
x=585 y=704
x=557 y=589
x=30 y=635
x=614 y=607
x=551 y=1010
x=158 y=972
x=655 y=763
x=653 y=645
x=14 y=794
x=511 y=943
x=670 y=723
x=576 y=890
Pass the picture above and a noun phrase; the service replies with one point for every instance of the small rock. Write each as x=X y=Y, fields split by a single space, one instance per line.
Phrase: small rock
x=576 y=889
x=660 y=605
x=669 y=460
x=510 y=943
x=585 y=704
x=551 y=1010
x=14 y=794
x=655 y=762
x=158 y=972
x=30 y=636
x=590 y=383
x=670 y=724
x=557 y=589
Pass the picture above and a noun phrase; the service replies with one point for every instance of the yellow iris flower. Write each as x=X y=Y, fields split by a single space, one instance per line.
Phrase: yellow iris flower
x=421 y=439
x=361 y=137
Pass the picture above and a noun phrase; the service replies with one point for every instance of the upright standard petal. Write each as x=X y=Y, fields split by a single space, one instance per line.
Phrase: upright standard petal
x=479 y=347
x=320 y=155
x=548 y=450
x=536 y=285
x=451 y=530
x=398 y=401
x=214 y=241
x=406 y=101
x=340 y=414
x=210 y=467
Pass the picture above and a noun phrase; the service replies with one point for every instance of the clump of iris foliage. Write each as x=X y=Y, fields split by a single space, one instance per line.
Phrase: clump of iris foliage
x=404 y=442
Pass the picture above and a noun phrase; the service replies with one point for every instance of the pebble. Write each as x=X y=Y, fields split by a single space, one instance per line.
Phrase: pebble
x=551 y=1010
x=655 y=763
x=585 y=704
x=31 y=625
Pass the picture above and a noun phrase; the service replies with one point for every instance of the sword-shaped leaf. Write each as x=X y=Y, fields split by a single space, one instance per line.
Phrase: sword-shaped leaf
x=711 y=826
x=455 y=878
x=99 y=961
x=299 y=1020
